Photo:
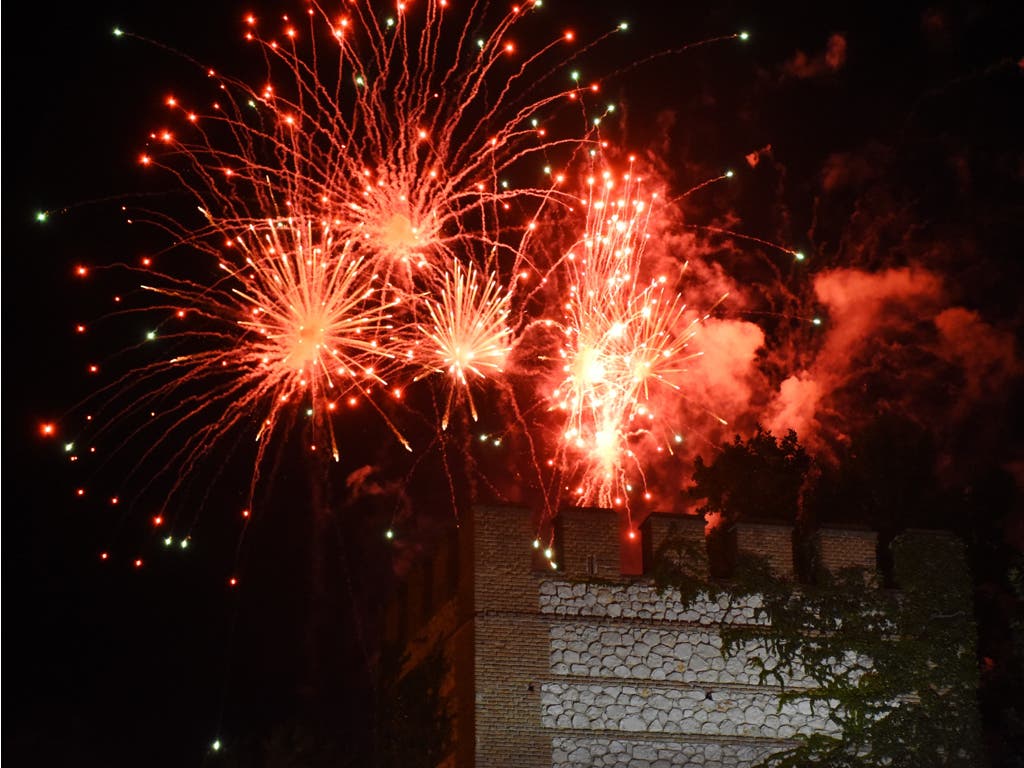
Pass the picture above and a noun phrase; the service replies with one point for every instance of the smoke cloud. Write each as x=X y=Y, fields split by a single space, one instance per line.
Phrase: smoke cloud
x=832 y=59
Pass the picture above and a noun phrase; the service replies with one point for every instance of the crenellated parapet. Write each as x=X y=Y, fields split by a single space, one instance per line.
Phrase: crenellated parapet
x=566 y=651
x=494 y=557
x=595 y=543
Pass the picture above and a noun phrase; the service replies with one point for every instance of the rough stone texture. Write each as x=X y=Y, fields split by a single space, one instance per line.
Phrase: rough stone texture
x=677 y=710
x=633 y=663
x=582 y=752
x=642 y=600
x=675 y=655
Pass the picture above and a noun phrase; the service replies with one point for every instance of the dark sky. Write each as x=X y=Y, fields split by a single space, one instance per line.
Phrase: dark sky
x=879 y=136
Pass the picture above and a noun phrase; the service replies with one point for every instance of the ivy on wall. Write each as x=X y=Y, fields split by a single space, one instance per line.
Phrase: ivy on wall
x=897 y=668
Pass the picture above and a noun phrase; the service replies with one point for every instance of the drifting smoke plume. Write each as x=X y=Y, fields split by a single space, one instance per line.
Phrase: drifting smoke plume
x=803 y=67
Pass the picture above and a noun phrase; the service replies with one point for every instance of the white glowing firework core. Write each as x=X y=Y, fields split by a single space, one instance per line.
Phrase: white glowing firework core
x=625 y=341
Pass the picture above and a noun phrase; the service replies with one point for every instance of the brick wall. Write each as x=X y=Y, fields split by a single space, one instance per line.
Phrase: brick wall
x=772 y=541
x=588 y=665
x=849 y=547
x=687 y=528
x=511 y=642
x=589 y=543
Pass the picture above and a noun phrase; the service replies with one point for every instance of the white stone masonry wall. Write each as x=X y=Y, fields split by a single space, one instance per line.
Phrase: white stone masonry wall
x=675 y=655
x=640 y=679
x=693 y=711
x=645 y=602
x=575 y=752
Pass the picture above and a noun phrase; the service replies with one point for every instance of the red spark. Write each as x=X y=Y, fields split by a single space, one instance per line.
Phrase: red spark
x=366 y=241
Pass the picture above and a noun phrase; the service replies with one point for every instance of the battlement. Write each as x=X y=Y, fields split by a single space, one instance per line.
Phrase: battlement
x=590 y=542
x=561 y=650
x=491 y=559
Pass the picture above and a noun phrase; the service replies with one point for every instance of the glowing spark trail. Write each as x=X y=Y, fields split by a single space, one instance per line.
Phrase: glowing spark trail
x=407 y=142
x=297 y=319
x=622 y=337
x=468 y=333
x=365 y=213
x=371 y=215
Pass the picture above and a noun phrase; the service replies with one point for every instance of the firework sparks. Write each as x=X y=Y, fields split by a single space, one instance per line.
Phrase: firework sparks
x=364 y=228
x=372 y=214
x=468 y=333
x=622 y=340
x=314 y=317
x=291 y=330
x=409 y=144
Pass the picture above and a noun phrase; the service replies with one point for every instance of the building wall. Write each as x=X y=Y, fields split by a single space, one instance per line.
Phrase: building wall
x=581 y=665
x=510 y=653
x=585 y=666
x=626 y=686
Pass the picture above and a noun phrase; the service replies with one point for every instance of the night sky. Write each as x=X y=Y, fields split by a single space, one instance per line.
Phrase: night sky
x=882 y=139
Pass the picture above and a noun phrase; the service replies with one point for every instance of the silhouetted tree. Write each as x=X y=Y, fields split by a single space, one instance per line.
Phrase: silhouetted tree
x=759 y=478
x=756 y=479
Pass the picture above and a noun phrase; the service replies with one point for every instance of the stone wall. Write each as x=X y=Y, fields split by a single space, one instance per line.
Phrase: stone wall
x=630 y=666
x=662 y=655
x=584 y=752
x=637 y=676
x=651 y=710
x=586 y=666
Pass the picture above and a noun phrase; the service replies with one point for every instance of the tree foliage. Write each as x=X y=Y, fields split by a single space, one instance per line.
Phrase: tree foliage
x=758 y=478
x=896 y=668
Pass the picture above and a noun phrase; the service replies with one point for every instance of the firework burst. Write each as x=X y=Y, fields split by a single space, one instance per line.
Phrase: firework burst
x=414 y=139
x=468 y=338
x=289 y=331
x=625 y=345
x=366 y=221
x=372 y=214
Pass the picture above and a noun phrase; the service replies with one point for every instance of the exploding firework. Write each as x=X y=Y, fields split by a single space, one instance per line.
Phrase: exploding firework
x=366 y=222
x=289 y=330
x=468 y=338
x=373 y=216
x=625 y=347
x=415 y=145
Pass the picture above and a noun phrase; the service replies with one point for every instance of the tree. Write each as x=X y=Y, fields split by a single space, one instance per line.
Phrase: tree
x=759 y=478
x=756 y=479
